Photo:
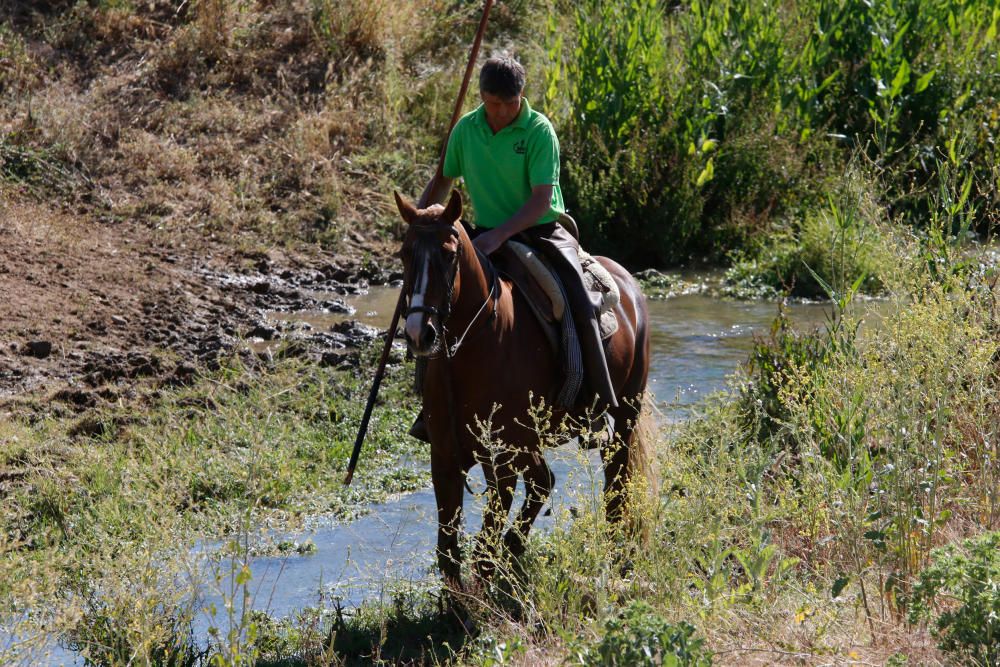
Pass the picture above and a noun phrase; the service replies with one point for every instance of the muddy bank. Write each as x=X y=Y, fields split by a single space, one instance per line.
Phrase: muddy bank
x=92 y=309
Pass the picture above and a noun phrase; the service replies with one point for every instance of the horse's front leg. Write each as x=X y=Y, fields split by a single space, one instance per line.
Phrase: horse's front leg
x=500 y=483
x=538 y=483
x=447 y=477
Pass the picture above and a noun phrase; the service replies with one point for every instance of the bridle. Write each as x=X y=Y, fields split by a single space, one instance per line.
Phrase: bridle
x=450 y=275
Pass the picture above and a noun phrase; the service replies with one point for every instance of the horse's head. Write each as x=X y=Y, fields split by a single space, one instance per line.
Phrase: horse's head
x=430 y=269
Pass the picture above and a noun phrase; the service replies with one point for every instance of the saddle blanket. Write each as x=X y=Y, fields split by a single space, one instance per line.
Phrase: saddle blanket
x=536 y=281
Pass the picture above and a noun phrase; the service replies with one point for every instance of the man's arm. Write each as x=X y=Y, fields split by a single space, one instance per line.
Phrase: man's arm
x=537 y=205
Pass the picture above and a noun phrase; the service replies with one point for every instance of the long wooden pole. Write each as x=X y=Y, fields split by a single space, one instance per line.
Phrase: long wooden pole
x=428 y=194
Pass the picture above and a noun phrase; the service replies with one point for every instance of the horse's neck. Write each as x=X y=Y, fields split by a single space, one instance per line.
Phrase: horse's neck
x=476 y=283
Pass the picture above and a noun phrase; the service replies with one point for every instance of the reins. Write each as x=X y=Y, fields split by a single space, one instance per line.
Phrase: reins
x=492 y=295
x=453 y=350
x=450 y=351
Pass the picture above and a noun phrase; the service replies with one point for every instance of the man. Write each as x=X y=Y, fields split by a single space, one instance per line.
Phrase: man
x=508 y=155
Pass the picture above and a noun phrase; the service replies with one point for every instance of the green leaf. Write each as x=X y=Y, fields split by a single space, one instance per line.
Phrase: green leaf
x=822 y=283
x=991 y=32
x=839 y=585
x=961 y=100
x=900 y=33
x=900 y=80
x=826 y=82
x=787 y=564
x=707 y=174
x=966 y=189
x=708 y=145
x=923 y=82
x=854 y=289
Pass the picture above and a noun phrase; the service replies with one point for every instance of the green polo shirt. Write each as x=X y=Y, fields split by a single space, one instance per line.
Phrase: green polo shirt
x=500 y=169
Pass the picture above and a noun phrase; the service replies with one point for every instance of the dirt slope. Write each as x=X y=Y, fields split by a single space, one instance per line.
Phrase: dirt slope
x=91 y=308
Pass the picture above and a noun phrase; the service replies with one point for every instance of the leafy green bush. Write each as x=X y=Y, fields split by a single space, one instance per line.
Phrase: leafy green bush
x=640 y=636
x=618 y=131
x=772 y=363
x=693 y=129
x=960 y=591
x=618 y=62
x=827 y=250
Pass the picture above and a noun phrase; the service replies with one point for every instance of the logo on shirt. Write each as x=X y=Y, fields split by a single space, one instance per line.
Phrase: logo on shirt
x=520 y=148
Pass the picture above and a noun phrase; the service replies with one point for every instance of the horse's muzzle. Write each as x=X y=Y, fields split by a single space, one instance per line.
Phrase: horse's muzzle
x=421 y=334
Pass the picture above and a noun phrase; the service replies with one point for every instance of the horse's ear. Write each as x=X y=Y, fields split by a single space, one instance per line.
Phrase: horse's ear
x=453 y=211
x=406 y=209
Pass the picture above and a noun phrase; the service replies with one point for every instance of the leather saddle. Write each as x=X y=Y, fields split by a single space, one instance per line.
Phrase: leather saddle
x=533 y=276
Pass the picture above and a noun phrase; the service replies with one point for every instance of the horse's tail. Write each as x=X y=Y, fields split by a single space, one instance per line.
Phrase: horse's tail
x=642 y=489
x=641 y=454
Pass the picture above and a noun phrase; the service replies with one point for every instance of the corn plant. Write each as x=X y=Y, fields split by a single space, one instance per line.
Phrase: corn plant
x=617 y=70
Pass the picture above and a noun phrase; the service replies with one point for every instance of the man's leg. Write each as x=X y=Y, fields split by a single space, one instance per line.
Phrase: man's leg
x=560 y=248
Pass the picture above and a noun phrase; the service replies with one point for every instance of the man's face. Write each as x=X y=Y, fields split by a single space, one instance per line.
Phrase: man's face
x=500 y=112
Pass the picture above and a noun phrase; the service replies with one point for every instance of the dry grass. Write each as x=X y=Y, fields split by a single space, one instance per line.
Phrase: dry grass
x=281 y=122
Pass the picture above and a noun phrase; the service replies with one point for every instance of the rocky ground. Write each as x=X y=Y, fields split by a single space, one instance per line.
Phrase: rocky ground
x=93 y=308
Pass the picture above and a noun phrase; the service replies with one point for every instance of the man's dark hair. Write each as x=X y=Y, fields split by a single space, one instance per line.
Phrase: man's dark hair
x=503 y=77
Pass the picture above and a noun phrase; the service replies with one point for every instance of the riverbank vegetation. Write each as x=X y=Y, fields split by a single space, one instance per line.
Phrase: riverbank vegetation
x=101 y=513
x=690 y=132
x=838 y=504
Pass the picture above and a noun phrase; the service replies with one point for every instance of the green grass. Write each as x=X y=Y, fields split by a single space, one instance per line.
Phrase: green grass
x=236 y=448
x=849 y=240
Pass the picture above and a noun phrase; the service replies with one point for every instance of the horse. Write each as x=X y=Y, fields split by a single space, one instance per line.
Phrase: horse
x=488 y=360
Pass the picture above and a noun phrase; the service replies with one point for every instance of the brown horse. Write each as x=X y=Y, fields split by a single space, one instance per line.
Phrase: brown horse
x=487 y=355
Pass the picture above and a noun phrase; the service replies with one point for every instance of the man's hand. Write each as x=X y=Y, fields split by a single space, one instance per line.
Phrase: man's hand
x=436 y=192
x=489 y=241
x=526 y=217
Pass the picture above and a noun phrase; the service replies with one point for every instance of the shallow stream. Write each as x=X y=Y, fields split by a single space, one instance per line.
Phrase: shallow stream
x=698 y=341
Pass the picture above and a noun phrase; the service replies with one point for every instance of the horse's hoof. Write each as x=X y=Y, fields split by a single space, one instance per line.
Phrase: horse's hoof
x=484 y=569
x=467 y=623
